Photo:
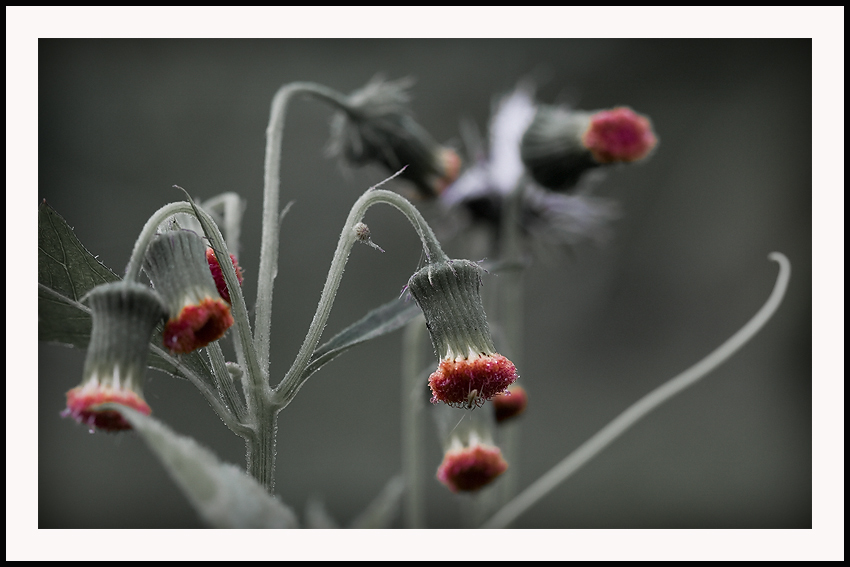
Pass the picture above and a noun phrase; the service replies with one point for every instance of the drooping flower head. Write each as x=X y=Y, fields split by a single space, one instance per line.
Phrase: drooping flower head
x=218 y=276
x=561 y=144
x=124 y=316
x=377 y=126
x=470 y=371
x=177 y=265
x=470 y=467
x=509 y=404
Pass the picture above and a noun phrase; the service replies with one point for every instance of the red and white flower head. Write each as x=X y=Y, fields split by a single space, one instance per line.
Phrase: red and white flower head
x=176 y=263
x=561 y=144
x=470 y=370
x=124 y=316
x=467 y=468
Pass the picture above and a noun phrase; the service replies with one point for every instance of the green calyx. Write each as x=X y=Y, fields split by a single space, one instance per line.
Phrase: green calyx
x=448 y=294
x=176 y=264
x=124 y=315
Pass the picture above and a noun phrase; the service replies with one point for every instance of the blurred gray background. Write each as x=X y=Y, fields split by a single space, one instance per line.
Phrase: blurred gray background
x=121 y=121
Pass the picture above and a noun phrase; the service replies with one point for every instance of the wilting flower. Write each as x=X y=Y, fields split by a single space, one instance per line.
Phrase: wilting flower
x=124 y=316
x=467 y=468
x=218 y=275
x=470 y=371
x=376 y=125
x=176 y=263
x=509 y=404
x=561 y=144
x=480 y=194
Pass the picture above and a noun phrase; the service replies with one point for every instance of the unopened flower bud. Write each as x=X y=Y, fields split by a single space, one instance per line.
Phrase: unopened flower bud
x=124 y=316
x=509 y=404
x=470 y=370
x=176 y=263
x=467 y=468
x=561 y=144
x=218 y=275
x=377 y=126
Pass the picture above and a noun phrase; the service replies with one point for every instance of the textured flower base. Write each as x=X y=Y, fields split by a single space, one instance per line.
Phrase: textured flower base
x=197 y=325
x=81 y=399
x=510 y=403
x=619 y=135
x=471 y=468
x=218 y=276
x=471 y=381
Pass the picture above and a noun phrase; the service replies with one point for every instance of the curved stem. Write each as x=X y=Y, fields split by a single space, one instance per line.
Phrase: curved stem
x=134 y=266
x=271 y=202
x=290 y=384
x=645 y=405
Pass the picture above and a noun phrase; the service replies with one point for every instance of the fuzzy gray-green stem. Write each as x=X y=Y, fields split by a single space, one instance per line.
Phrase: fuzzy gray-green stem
x=271 y=214
x=511 y=291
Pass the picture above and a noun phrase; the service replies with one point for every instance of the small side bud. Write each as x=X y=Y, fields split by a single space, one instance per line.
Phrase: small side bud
x=218 y=276
x=234 y=370
x=364 y=235
x=509 y=404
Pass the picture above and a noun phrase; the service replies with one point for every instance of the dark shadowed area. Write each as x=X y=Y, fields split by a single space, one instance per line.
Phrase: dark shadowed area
x=122 y=121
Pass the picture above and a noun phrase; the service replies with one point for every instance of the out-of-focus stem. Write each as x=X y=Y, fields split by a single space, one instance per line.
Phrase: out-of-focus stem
x=645 y=405
x=412 y=417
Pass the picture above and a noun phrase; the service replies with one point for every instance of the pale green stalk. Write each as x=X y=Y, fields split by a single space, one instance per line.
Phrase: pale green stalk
x=271 y=214
x=645 y=405
x=412 y=424
x=290 y=384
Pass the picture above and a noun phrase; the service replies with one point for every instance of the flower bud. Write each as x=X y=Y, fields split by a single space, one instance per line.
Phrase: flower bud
x=470 y=370
x=176 y=263
x=560 y=144
x=218 y=275
x=468 y=468
x=124 y=316
x=509 y=404
x=377 y=126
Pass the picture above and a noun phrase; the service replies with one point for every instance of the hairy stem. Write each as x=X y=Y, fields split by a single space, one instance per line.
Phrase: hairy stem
x=271 y=214
x=645 y=405
x=412 y=426
x=290 y=384
x=134 y=266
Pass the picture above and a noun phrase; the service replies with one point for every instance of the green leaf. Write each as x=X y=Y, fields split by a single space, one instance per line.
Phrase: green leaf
x=224 y=495
x=66 y=272
x=380 y=321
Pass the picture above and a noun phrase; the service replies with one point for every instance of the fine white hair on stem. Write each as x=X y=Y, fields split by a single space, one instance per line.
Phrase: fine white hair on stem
x=645 y=405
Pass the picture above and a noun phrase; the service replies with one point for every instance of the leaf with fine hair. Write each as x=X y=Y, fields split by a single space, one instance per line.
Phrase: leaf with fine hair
x=67 y=271
x=385 y=319
x=222 y=494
